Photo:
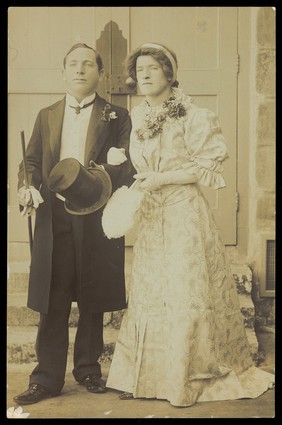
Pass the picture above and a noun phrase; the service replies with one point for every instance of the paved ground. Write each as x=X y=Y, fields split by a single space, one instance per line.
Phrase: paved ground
x=76 y=402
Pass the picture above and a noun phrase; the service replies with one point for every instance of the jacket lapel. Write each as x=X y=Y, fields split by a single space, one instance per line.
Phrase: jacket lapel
x=97 y=133
x=55 y=121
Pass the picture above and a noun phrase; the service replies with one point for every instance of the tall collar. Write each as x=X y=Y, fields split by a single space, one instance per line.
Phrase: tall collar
x=71 y=100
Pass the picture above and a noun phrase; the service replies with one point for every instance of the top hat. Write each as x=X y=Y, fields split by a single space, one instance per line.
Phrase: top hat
x=85 y=189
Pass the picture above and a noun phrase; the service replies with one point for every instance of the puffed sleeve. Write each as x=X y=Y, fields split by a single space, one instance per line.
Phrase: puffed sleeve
x=206 y=147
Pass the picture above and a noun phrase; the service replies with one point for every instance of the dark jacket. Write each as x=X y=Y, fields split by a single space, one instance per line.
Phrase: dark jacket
x=102 y=260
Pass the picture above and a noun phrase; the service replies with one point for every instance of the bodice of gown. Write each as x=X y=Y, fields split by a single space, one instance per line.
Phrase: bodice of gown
x=193 y=142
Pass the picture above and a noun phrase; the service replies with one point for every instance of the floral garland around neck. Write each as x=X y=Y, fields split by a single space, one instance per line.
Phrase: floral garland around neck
x=107 y=114
x=154 y=121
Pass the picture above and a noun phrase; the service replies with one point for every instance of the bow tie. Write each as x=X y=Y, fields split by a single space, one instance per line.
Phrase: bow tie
x=78 y=108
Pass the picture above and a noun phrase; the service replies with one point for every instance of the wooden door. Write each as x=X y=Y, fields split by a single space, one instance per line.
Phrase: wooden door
x=205 y=41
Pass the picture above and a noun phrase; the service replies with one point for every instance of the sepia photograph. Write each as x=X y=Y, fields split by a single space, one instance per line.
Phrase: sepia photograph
x=141 y=218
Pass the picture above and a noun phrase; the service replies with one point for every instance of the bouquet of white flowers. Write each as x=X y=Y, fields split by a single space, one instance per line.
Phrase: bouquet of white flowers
x=121 y=210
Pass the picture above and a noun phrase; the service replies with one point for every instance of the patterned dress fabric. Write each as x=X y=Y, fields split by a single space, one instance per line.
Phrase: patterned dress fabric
x=182 y=337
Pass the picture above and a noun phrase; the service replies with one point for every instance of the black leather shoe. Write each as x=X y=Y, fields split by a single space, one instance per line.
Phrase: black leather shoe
x=34 y=394
x=94 y=384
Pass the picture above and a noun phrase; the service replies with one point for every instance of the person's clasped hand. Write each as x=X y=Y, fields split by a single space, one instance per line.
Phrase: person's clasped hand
x=30 y=199
x=151 y=180
x=116 y=156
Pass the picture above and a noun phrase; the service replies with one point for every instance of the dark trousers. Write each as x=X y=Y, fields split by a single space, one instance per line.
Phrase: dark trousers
x=53 y=332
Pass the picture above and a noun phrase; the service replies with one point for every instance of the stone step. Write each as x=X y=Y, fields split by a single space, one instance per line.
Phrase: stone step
x=21 y=343
x=17 y=276
x=18 y=251
x=19 y=265
x=18 y=314
x=18 y=273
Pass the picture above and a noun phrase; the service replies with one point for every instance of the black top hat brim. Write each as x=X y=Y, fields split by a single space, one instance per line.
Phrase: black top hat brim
x=105 y=196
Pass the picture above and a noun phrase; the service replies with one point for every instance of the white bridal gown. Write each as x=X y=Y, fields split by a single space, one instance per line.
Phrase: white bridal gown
x=182 y=337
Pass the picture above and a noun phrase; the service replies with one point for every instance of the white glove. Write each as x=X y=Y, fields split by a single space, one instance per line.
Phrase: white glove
x=152 y=180
x=30 y=199
x=116 y=156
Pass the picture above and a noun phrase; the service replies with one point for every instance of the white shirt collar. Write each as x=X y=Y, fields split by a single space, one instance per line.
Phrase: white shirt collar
x=71 y=100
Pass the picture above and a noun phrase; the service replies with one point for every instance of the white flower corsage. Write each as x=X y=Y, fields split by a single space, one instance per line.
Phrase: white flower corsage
x=107 y=114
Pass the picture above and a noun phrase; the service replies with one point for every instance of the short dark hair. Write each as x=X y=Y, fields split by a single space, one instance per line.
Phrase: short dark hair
x=85 y=46
x=157 y=54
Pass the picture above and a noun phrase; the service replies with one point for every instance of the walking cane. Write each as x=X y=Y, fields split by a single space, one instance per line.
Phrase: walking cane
x=27 y=186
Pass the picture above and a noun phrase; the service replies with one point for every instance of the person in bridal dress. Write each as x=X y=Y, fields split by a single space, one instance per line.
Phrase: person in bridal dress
x=182 y=336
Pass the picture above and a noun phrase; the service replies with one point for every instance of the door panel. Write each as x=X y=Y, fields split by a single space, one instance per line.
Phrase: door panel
x=205 y=41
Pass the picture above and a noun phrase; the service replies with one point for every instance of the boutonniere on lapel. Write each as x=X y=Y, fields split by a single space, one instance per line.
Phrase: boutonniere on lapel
x=107 y=114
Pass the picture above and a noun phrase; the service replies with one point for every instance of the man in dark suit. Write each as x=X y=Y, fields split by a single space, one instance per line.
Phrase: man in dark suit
x=71 y=258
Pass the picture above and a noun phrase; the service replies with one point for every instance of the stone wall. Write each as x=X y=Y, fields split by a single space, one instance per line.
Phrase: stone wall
x=262 y=153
